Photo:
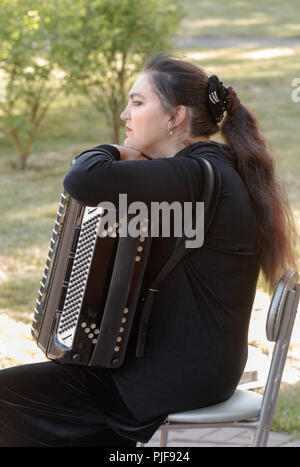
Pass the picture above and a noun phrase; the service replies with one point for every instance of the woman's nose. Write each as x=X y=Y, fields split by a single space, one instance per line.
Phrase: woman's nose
x=125 y=114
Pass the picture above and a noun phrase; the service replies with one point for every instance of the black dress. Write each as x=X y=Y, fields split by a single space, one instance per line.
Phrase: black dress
x=197 y=339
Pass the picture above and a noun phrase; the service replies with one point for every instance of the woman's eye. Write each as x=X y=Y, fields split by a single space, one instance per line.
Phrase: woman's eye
x=136 y=102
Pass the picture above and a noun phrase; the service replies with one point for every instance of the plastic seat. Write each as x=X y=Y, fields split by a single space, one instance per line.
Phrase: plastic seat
x=247 y=408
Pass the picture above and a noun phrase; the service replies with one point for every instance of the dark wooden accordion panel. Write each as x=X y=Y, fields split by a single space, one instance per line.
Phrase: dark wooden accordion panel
x=90 y=288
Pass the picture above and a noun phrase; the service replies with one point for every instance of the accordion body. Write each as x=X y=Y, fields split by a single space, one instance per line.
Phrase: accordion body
x=87 y=302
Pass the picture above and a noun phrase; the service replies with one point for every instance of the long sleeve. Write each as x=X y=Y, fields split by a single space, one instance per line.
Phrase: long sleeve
x=102 y=176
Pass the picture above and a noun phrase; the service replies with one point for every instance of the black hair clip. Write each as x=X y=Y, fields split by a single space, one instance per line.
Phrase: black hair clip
x=217 y=97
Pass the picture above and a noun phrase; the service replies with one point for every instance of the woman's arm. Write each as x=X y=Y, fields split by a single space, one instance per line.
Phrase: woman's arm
x=129 y=154
x=103 y=176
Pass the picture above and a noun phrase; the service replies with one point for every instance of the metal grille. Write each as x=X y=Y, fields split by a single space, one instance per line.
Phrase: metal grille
x=49 y=263
x=76 y=287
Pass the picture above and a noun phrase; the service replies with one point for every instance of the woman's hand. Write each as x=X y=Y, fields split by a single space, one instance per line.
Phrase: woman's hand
x=129 y=154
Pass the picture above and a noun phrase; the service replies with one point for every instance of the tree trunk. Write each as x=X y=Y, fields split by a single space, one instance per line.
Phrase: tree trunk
x=22 y=162
x=23 y=155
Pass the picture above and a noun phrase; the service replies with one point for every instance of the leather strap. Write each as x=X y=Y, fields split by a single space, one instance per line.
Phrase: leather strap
x=210 y=196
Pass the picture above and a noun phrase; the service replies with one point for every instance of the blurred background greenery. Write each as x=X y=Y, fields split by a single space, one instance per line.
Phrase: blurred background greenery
x=66 y=67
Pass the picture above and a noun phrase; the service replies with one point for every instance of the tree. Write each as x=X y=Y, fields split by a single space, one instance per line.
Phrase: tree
x=104 y=42
x=30 y=74
x=96 y=45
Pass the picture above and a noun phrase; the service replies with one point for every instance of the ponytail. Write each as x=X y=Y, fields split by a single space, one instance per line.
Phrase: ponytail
x=255 y=165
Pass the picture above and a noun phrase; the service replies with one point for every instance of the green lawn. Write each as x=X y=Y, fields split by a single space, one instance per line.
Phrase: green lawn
x=270 y=18
x=287 y=412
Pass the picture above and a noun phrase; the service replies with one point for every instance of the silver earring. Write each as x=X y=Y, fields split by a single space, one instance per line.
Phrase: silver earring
x=170 y=132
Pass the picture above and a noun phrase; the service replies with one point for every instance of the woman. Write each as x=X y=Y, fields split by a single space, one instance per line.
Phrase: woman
x=197 y=338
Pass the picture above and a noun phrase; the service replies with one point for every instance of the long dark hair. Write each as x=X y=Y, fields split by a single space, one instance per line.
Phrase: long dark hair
x=179 y=82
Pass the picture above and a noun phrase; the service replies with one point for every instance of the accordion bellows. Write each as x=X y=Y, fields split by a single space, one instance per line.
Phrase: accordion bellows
x=90 y=288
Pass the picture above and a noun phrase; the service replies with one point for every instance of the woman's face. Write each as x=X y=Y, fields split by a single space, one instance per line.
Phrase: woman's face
x=146 y=119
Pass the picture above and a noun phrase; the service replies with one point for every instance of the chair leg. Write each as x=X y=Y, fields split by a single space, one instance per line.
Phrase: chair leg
x=260 y=438
x=164 y=436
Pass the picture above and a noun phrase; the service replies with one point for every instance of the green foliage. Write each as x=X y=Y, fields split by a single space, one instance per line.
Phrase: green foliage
x=287 y=413
x=103 y=43
x=27 y=67
x=96 y=45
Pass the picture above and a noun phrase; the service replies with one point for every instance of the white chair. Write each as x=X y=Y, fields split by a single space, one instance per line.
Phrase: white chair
x=247 y=408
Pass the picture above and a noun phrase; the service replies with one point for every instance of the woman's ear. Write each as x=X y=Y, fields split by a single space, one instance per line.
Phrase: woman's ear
x=179 y=115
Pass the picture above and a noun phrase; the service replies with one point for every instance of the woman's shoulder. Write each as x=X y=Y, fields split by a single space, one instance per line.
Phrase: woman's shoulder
x=218 y=151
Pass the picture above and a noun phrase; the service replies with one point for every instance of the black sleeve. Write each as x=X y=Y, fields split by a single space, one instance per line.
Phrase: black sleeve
x=102 y=176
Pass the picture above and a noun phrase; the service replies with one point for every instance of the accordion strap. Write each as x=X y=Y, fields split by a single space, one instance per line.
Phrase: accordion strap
x=212 y=185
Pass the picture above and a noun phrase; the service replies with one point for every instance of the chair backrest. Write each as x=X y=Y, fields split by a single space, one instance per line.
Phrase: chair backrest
x=279 y=326
x=277 y=313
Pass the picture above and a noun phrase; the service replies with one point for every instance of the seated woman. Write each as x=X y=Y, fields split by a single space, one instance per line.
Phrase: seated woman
x=196 y=347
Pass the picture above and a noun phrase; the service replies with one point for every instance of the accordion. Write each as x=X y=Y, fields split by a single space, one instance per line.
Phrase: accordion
x=90 y=288
x=92 y=294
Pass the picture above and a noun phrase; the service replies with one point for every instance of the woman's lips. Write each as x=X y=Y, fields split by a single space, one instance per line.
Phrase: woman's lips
x=128 y=129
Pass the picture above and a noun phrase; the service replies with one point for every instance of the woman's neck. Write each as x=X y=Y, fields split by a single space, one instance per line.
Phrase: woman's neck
x=177 y=146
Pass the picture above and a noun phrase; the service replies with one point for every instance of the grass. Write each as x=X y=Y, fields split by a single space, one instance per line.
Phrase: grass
x=242 y=18
x=262 y=77
x=287 y=413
